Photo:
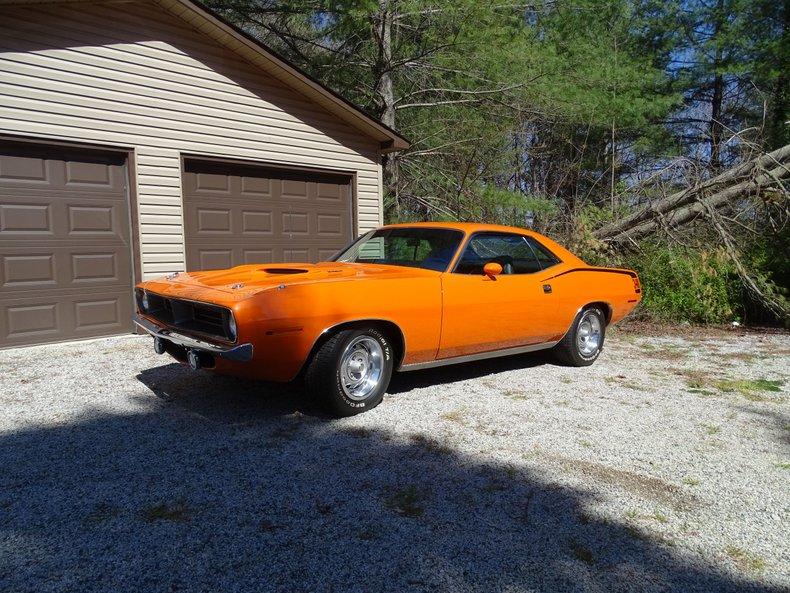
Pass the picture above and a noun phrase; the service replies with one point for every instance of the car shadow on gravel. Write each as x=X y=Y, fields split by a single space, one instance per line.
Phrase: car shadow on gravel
x=175 y=381
x=209 y=394
x=406 y=381
x=201 y=490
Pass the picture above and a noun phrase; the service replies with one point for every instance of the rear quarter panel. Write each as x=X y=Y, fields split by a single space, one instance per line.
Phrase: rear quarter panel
x=576 y=287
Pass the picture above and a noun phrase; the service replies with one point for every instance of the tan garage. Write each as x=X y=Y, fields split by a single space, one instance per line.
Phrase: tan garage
x=168 y=141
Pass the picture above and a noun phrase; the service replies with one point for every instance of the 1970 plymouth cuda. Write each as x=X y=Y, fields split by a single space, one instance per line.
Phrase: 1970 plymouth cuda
x=403 y=297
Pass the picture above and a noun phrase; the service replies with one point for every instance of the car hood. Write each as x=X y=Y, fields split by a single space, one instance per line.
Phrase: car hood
x=244 y=281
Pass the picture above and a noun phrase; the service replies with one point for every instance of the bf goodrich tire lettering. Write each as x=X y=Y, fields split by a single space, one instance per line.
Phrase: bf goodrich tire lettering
x=351 y=371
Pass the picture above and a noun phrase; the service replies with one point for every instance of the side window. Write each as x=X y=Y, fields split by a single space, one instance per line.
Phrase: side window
x=545 y=257
x=512 y=252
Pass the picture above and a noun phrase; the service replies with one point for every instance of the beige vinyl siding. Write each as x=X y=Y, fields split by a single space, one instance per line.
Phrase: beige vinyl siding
x=134 y=75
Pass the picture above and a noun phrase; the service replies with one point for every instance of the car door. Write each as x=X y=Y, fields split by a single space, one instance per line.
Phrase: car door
x=482 y=313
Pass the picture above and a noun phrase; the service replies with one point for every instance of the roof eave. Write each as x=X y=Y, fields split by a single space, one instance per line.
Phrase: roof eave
x=236 y=39
x=229 y=35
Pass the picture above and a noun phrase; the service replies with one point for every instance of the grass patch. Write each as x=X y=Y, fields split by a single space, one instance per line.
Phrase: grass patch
x=660 y=517
x=456 y=416
x=406 y=502
x=744 y=356
x=744 y=560
x=783 y=465
x=746 y=386
x=752 y=389
x=711 y=429
x=691 y=481
x=702 y=392
x=581 y=552
x=514 y=394
x=178 y=512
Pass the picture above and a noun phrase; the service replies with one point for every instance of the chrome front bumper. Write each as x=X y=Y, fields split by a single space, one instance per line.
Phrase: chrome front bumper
x=240 y=353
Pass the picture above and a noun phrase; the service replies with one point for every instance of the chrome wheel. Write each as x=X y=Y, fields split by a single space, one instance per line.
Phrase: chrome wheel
x=361 y=367
x=588 y=336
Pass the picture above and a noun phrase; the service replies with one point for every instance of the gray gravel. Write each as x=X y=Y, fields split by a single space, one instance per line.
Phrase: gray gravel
x=665 y=466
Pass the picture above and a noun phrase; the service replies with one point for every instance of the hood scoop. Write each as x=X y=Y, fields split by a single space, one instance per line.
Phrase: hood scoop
x=286 y=271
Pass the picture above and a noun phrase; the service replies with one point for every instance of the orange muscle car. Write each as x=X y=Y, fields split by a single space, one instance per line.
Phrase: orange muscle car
x=403 y=297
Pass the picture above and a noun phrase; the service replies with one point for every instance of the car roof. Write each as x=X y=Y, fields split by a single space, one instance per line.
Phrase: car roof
x=466 y=227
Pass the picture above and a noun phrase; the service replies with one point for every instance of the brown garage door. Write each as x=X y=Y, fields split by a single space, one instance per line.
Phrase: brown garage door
x=241 y=214
x=65 y=255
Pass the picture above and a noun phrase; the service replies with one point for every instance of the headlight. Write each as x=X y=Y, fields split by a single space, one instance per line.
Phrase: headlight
x=144 y=301
x=232 y=327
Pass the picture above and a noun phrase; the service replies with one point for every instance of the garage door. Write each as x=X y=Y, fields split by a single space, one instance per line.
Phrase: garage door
x=240 y=214
x=65 y=255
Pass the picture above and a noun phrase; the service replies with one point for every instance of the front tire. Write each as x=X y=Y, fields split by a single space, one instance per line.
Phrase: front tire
x=583 y=343
x=351 y=371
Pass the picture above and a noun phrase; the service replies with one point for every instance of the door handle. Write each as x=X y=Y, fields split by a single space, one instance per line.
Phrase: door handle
x=547 y=288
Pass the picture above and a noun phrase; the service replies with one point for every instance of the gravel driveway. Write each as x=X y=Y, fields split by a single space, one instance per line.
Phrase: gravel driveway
x=665 y=466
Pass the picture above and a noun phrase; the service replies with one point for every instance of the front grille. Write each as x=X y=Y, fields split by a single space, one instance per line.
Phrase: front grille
x=201 y=318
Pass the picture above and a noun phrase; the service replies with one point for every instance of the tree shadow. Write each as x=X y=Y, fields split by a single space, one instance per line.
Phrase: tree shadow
x=215 y=485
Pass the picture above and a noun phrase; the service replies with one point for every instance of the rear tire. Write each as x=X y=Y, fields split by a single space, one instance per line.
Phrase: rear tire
x=582 y=344
x=350 y=372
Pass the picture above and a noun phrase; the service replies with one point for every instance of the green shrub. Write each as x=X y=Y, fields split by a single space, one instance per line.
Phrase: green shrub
x=698 y=286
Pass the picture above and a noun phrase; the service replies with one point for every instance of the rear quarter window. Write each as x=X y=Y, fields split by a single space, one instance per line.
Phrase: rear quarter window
x=545 y=257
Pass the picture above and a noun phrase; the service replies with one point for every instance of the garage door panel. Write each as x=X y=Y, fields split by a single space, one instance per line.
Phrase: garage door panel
x=269 y=216
x=36 y=319
x=297 y=190
x=23 y=169
x=257 y=256
x=27 y=322
x=296 y=255
x=18 y=218
x=296 y=223
x=212 y=183
x=214 y=221
x=258 y=222
x=91 y=173
x=331 y=192
x=330 y=225
x=28 y=270
x=95 y=267
x=256 y=185
x=214 y=259
x=65 y=250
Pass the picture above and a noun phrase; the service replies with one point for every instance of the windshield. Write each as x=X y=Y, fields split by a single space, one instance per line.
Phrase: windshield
x=431 y=249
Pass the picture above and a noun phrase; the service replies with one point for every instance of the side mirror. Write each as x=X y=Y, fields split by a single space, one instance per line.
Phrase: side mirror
x=492 y=270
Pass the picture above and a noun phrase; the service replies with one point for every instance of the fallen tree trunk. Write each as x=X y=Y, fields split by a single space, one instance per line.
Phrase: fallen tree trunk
x=696 y=205
x=738 y=181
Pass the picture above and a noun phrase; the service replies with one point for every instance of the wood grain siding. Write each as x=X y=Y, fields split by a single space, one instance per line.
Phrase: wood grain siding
x=153 y=83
